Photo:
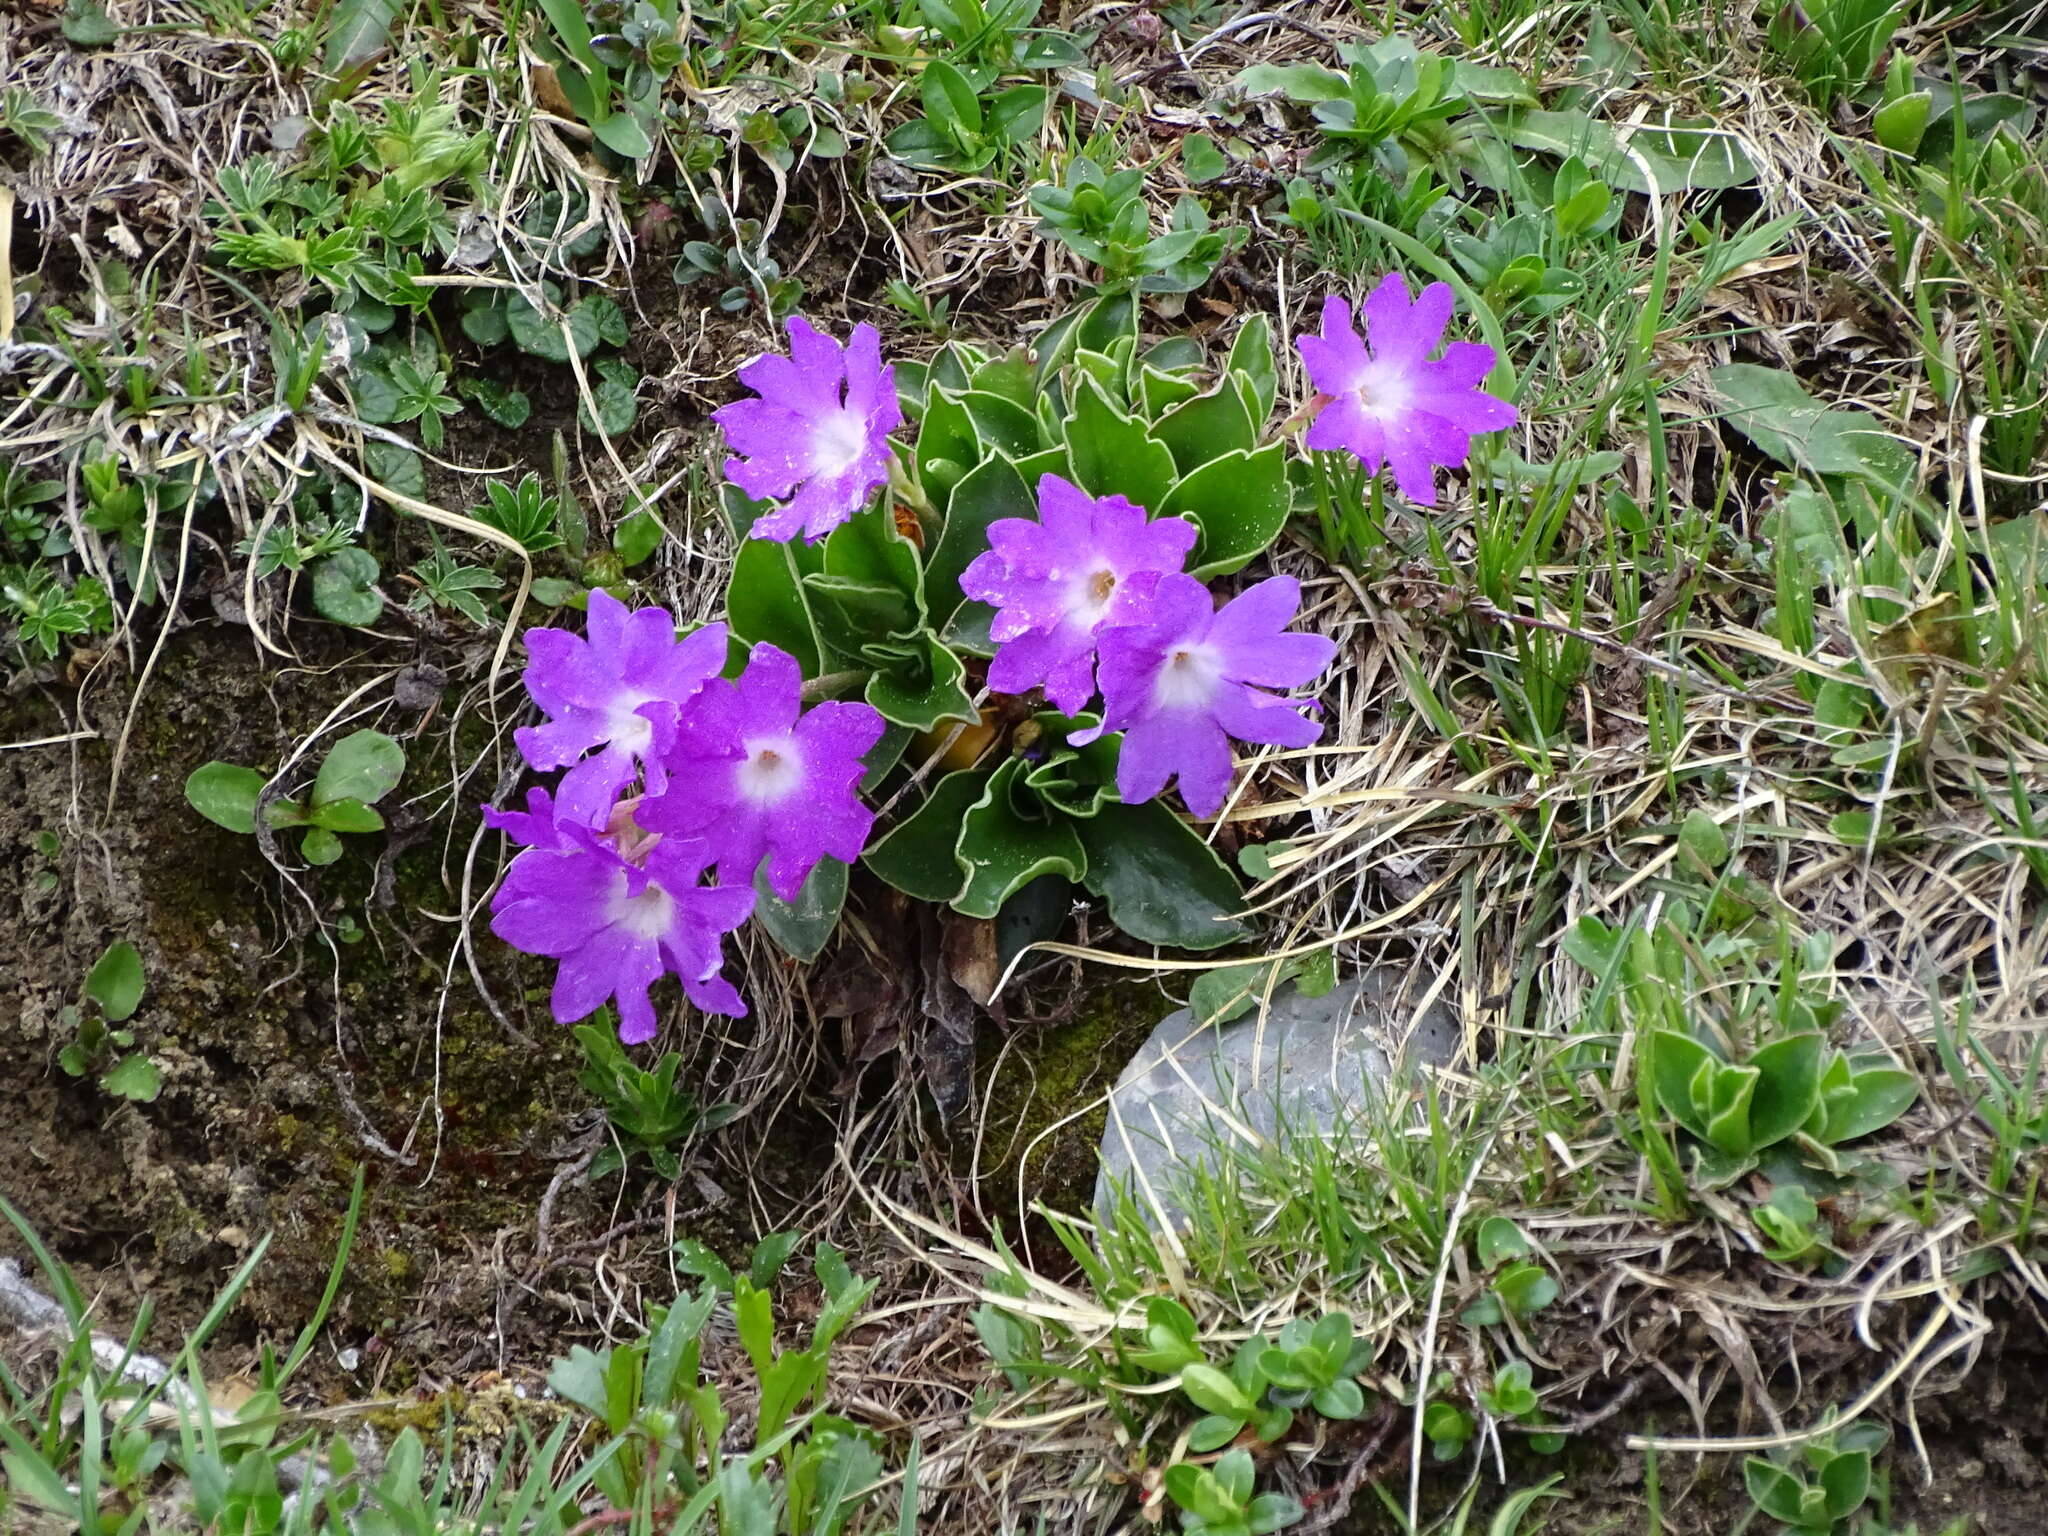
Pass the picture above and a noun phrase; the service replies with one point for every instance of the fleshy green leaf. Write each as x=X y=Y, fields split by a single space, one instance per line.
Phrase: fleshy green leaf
x=1788 y=1086
x=1111 y=454
x=801 y=928
x=1240 y=501
x=765 y=602
x=1164 y=885
x=922 y=695
x=918 y=856
x=993 y=490
x=1004 y=849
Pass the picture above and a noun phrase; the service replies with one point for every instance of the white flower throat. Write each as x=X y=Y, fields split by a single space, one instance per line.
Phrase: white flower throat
x=838 y=441
x=646 y=916
x=771 y=771
x=1188 y=676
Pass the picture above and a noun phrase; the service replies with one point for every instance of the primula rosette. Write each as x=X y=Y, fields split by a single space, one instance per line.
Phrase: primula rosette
x=1187 y=679
x=618 y=910
x=1383 y=398
x=817 y=439
x=1058 y=582
x=616 y=694
x=756 y=776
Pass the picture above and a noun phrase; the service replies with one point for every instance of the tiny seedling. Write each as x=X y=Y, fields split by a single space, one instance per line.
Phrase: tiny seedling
x=99 y=1046
x=360 y=770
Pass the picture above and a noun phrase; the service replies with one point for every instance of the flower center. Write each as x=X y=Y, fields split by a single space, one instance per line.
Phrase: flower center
x=1188 y=678
x=772 y=771
x=1384 y=392
x=1089 y=595
x=646 y=916
x=840 y=439
x=628 y=729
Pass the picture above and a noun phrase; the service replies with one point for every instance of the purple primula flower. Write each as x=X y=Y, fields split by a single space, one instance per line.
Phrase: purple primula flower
x=617 y=692
x=1386 y=400
x=819 y=433
x=618 y=910
x=1183 y=682
x=755 y=778
x=1057 y=582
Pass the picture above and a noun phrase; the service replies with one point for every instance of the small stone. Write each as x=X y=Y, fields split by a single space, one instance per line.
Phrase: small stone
x=418 y=688
x=1316 y=1058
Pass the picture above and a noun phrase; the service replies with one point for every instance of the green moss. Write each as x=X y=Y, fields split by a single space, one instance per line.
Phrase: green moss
x=1045 y=1076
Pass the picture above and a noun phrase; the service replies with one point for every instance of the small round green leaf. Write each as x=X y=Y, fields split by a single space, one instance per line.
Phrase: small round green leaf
x=364 y=765
x=345 y=588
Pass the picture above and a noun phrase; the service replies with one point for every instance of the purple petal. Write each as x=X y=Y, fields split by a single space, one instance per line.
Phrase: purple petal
x=1258 y=717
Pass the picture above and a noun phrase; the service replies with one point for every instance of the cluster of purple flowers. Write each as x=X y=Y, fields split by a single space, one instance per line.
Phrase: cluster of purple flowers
x=680 y=786
x=1091 y=596
x=673 y=774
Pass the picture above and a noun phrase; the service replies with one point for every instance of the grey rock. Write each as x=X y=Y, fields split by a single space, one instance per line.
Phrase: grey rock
x=1314 y=1061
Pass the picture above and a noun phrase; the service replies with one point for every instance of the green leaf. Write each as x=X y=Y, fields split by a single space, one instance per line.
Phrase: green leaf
x=134 y=1077
x=992 y=490
x=364 y=765
x=1788 y=1088
x=1773 y=410
x=540 y=333
x=1202 y=159
x=1678 y=1059
x=1339 y=1400
x=622 y=134
x=1701 y=837
x=225 y=794
x=86 y=24
x=615 y=391
x=922 y=701
x=508 y=407
x=869 y=548
x=345 y=587
x=1003 y=849
x=1251 y=360
x=1499 y=1242
x=1303 y=83
x=320 y=846
x=1207 y=427
x=1240 y=502
x=1223 y=994
x=394 y=467
x=1213 y=1392
x=115 y=981
x=1876 y=1097
x=638 y=537
x=917 y=855
x=1111 y=454
x=949 y=98
x=347 y=815
x=1164 y=885
x=1683 y=157
x=1002 y=423
x=800 y=928
x=765 y=602
x=357 y=32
